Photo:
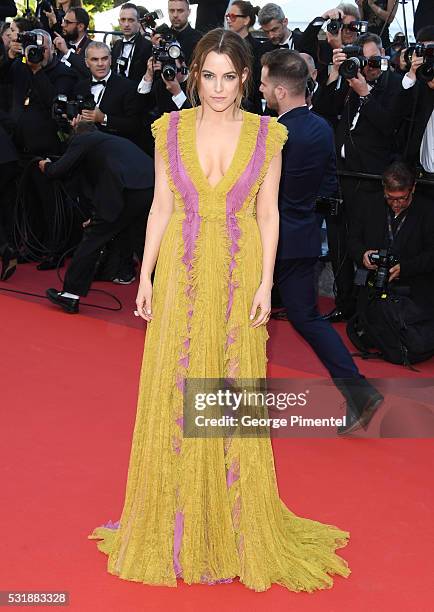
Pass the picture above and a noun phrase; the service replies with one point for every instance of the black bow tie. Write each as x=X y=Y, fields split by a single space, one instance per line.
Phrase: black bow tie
x=285 y=46
x=103 y=83
x=72 y=45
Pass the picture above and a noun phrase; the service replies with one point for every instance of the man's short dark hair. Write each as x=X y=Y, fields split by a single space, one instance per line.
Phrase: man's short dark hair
x=399 y=176
x=130 y=5
x=425 y=34
x=369 y=37
x=85 y=127
x=81 y=15
x=288 y=68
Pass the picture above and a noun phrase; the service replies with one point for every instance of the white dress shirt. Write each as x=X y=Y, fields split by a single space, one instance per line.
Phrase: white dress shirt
x=73 y=49
x=145 y=87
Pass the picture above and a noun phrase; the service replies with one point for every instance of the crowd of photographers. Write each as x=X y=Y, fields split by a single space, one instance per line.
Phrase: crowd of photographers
x=58 y=192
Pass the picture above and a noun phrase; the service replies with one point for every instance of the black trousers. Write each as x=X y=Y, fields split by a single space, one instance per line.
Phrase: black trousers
x=81 y=270
x=355 y=194
x=8 y=173
x=295 y=279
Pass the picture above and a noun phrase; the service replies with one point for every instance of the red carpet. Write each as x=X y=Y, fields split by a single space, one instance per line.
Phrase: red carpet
x=68 y=394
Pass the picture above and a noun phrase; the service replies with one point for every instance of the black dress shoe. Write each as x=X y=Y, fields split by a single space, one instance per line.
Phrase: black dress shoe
x=51 y=263
x=69 y=305
x=363 y=401
x=335 y=316
x=9 y=263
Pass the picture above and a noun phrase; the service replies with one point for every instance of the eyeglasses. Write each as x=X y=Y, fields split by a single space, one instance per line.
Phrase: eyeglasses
x=67 y=22
x=233 y=16
x=397 y=200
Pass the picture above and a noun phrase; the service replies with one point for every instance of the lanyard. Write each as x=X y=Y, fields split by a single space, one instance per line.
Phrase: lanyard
x=392 y=236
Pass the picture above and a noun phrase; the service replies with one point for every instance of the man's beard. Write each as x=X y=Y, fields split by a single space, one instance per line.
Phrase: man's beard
x=71 y=36
x=181 y=26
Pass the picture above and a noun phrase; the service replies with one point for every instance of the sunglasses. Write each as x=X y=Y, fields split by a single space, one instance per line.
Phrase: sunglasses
x=67 y=22
x=233 y=16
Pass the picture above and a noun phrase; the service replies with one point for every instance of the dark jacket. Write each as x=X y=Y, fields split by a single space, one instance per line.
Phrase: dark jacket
x=413 y=246
x=308 y=157
x=371 y=145
x=413 y=109
x=424 y=15
x=188 y=39
x=77 y=60
x=121 y=103
x=107 y=165
x=254 y=99
x=8 y=152
x=7 y=9
x=210 y=15
x=32 y=100
x=141 y=53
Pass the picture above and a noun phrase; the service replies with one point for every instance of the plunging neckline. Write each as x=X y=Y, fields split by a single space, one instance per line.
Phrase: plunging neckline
x=235 y=157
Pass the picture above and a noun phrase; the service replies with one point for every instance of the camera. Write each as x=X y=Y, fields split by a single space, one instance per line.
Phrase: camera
x=384 y=260
x=45 y=5
x=334 y=26
x=68 y=109
x=328 y=206
x=426 y=71
x=33 y=46
x=355 y=61
x=167 y=52
x=149 y=19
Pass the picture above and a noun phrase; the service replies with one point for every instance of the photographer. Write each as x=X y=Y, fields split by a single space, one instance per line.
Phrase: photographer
x=274 y=24
x=72 y=46
x=179 y=13
x=379 y=14
x=342 y=29
x=164 y=95
x=117 y=105
x=402 y=226
x=415 y=108
x=35 y=84
x=131 y=53
x=118 y=179
x=360 y=95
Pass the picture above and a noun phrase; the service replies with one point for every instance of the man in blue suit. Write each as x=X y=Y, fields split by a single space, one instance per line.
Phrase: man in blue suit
x=308 y=162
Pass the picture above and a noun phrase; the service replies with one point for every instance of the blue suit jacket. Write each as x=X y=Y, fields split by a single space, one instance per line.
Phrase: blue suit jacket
x=308 y=170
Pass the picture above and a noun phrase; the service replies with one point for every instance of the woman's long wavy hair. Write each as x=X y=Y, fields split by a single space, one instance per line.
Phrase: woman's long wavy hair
x=227 y=43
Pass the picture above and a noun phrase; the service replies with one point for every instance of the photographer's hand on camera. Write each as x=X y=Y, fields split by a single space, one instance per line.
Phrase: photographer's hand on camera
x=51 y=17
x=366 y=261
x=338 y=58
x=359 y=85
x=96 y=115
x=15 y=49
x=416 y=62
x=334 y=13
x=394 y=272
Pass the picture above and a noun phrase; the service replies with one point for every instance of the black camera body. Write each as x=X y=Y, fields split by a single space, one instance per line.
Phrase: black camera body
x=384 y=260
x=149 y=19
x=64 y=109
x=33 y=46
x=355 y=61
x=334 y=26
x=167 y=52
x=426 y=71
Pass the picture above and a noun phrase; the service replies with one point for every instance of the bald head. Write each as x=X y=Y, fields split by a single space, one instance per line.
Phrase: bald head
x=313 y=73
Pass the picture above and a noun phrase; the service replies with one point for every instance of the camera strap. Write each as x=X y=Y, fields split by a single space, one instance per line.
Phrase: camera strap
x=392 y=235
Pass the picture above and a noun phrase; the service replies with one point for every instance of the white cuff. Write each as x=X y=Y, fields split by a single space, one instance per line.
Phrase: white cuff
x=104 y=121
x=179 y=99
x=407 y=82
x=144 y=87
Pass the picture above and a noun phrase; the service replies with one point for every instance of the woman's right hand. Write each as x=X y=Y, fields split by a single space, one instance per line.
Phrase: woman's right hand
x=51 y=16
x=144 y=300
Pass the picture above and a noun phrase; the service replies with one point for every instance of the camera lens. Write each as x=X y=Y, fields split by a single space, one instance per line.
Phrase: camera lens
x=169 y=72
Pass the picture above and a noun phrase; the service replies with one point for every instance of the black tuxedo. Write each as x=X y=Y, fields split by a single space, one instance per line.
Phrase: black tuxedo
x=118 y=178
x=122 y=105
x=424 y=15
x=413 y=245
x=141 y=52
x=77 y=60
x=210 y=15
x=188 y=39
x=308 y=157
x=293 y=43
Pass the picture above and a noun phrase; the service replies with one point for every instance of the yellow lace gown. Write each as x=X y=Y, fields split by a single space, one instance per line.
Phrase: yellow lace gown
x=208 y=510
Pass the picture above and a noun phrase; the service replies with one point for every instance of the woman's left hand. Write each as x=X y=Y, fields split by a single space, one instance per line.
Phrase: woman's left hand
x=261 y=301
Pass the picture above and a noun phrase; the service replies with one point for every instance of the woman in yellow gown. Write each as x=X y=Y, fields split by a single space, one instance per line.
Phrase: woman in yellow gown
x=208 y=510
